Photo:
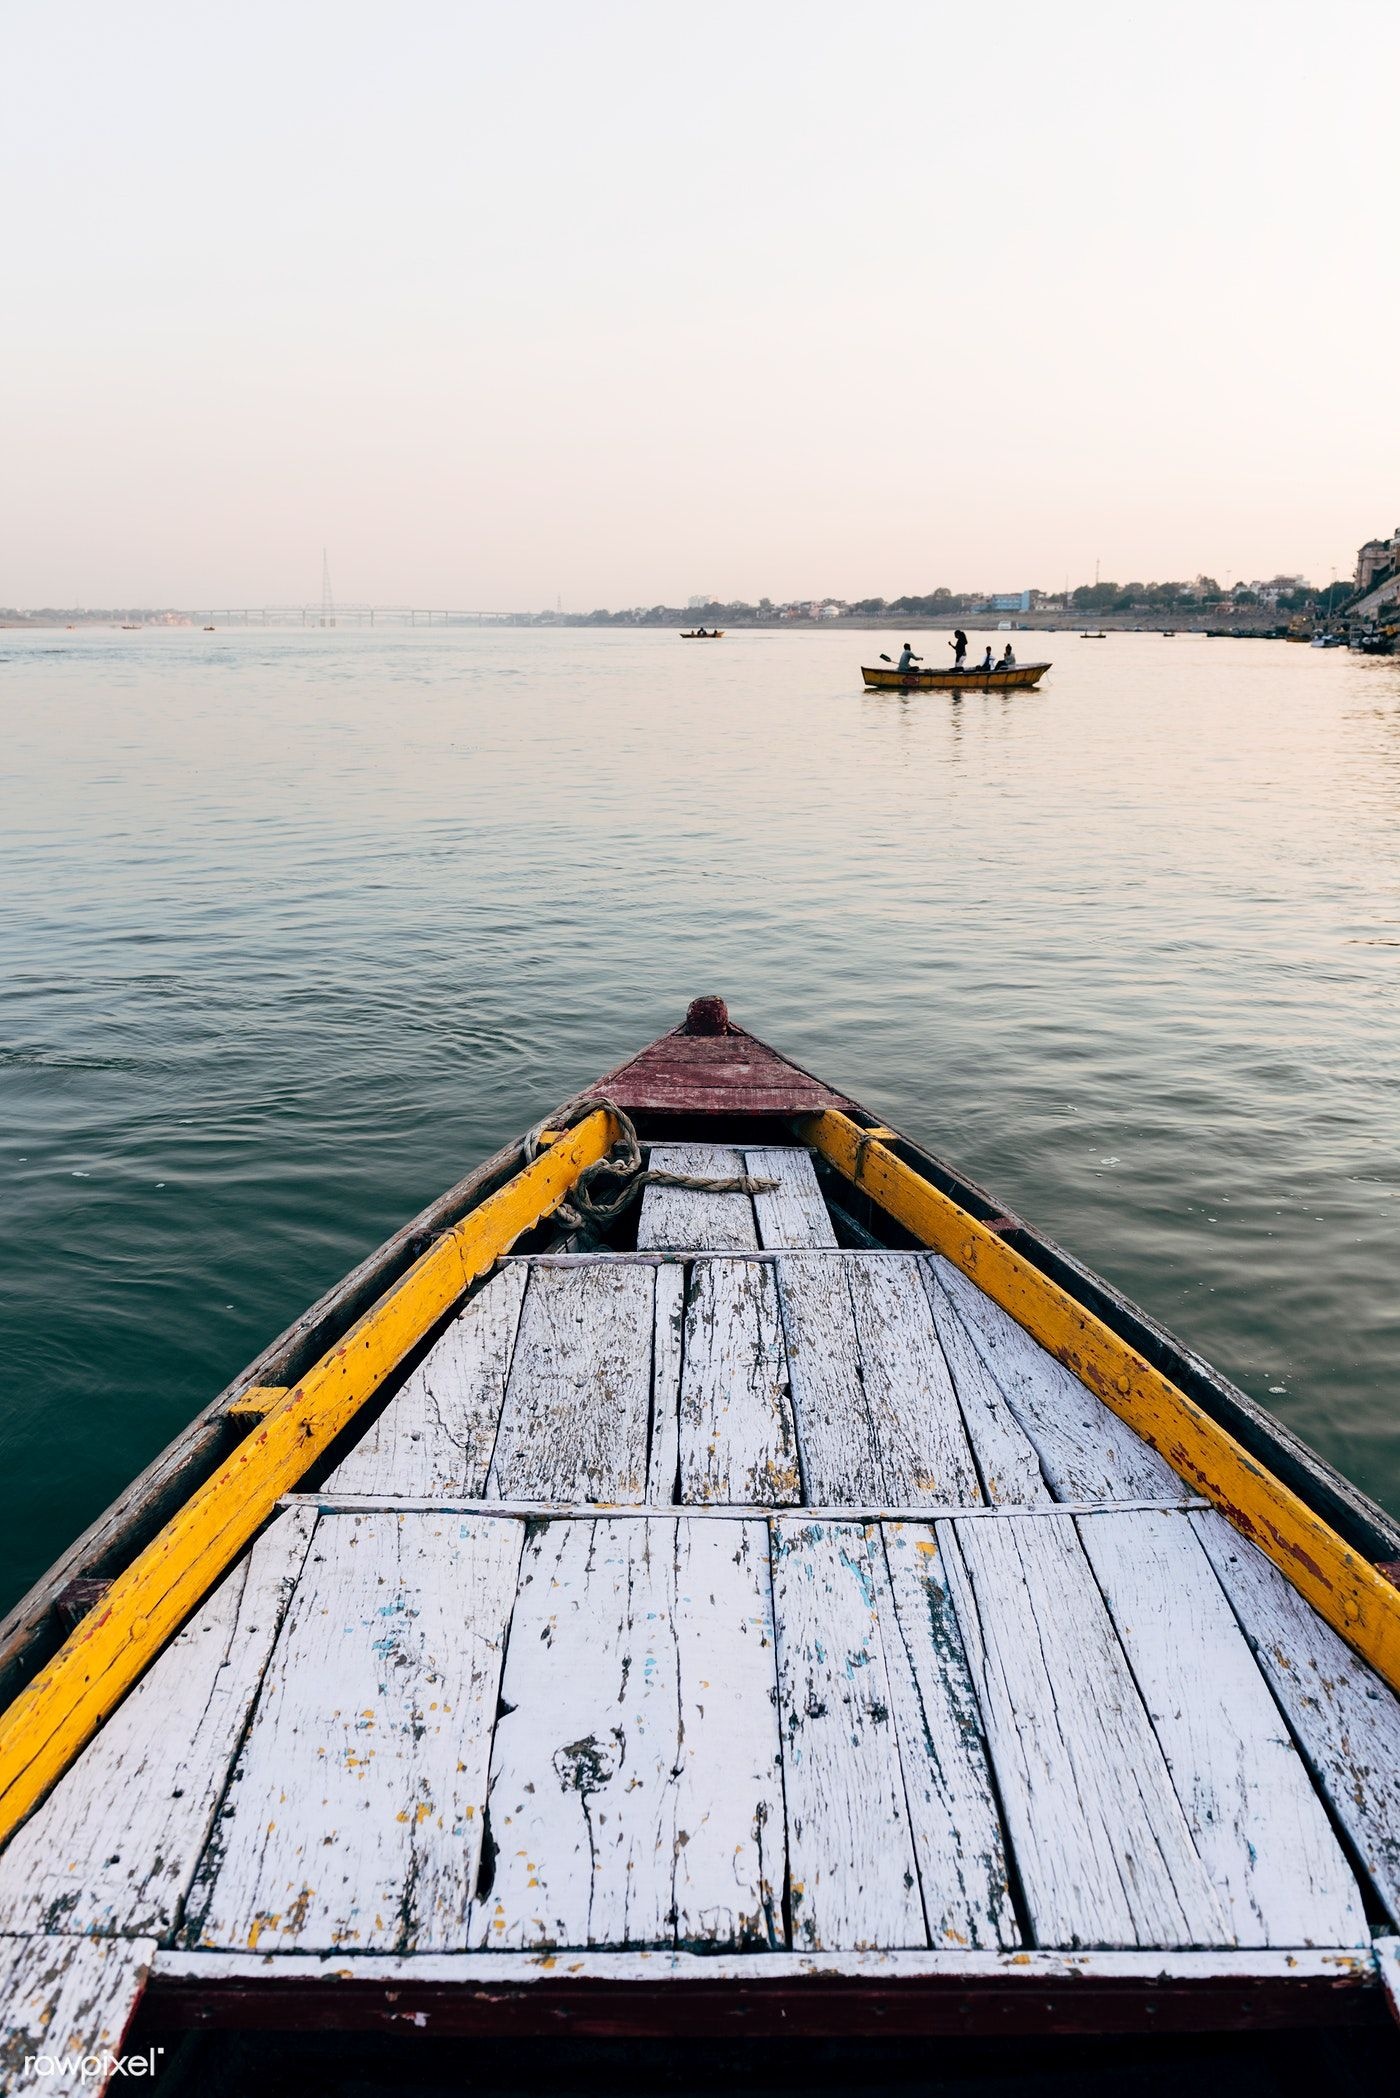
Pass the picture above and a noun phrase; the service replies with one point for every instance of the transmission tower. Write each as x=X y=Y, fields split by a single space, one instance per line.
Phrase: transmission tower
x=327 y=601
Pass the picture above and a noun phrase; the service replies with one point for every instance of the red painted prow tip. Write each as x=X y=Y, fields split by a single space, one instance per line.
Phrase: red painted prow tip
x=706 y=1016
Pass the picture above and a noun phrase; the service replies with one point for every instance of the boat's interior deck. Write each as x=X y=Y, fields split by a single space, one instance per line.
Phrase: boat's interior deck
x=737 y=1595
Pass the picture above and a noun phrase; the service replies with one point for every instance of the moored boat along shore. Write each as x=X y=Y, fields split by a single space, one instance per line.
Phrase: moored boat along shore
x=625 y=1602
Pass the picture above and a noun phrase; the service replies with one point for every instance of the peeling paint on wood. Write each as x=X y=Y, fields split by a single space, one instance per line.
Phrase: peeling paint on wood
x=574 y=1424
x=1006 y=1457
x=852 y=1871
x=795 y=1213
x=737 y=1438
x=1102 y=1847
x=1345 y=1717
x=70 y=1999
x=689 y=1218
x=947 y=1781
x=664 y=1451
x=1259 y=1827
x=114 y=1846
x=636 y=1794
x=1085 y=1451
x=436 y=1435
x=355 y=1816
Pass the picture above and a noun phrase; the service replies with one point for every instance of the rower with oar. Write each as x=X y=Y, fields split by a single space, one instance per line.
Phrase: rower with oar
x=907 y=659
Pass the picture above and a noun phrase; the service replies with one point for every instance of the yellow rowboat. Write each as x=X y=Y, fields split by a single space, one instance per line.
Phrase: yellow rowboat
x=715 y=1574
x=1022 y=679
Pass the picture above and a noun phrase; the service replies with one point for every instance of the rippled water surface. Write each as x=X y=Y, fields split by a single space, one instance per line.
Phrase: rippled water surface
x=298 y=926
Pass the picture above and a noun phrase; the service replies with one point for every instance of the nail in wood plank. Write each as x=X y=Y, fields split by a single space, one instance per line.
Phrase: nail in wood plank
x=437 y=1434
x=574 y=1423
x=795 y=1213
x=67 y=1999
x=687 y=1217
x=1260 y=1829
x=1101 y=1845
x=853 y=1877
x=1346 y=1719
x=737 y=1438
x=354 y=1820
x=1085 y=1451
x=636 y=1793
x=947 y=1782
x=114 y=1847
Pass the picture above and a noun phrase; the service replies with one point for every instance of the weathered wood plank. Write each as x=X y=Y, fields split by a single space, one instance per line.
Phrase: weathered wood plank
x=574 y=1423
x=355 y=1816
x=853 y=1874
x=636 y=1790
x=1006 y=1457
x=114 y=1846
x=1346 y=1719
x=437 y=1434
x=737 y=1438
x=664 y=1450
x=795 y=1213
x=1259 y=1827
x=914 y=1414
x=1388 y=1967
x=1085 y=1451
x=877 y=1416
x=947 y=1782
x=687 y=1217
x=64 y=2000
x=1101 y=1845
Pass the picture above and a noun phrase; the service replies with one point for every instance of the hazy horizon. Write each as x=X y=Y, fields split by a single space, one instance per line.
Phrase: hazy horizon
x=620 y=306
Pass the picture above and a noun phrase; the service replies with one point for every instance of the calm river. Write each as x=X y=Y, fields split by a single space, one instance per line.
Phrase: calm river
x=298 y=926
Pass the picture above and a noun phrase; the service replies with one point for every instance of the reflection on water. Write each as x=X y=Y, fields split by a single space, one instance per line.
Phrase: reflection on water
x=297 y=926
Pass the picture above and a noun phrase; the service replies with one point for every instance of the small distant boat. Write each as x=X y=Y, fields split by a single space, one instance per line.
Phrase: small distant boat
x=700 y=633
x=1328 y=641
x=130 y=626
x=209 y=630
x=1100 y=636
x=1169 y=633
x=1019 y=679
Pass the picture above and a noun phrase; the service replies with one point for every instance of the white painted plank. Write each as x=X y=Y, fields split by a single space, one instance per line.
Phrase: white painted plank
x=114 y=1847
x=578 y=1399
x=687 y=1217
x=877 y=1416
x=664 y=1450
x=1346 y=1719
x=738 y=1441
x=636 y=1790
x=914 y=1414
x=436 y=1435
x=355 y=1816
x=1085 y=1451
x=795 y=1213
x=853 y=1875
x=1101 y=1845
x=1006 y=1457
x=64 y=2000
x=1033 y=1968
x=1259 y=1827
x=840 y=1462
x=947 y=1782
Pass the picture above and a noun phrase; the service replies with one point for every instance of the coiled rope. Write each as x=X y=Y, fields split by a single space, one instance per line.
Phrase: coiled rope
x=590 y=1214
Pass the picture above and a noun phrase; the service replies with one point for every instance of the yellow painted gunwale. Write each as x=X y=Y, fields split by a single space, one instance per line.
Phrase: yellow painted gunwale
x=49 y=1722
x=1342 y=1586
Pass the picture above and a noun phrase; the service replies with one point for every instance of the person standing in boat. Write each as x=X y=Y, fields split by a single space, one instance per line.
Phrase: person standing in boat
x=958 y=644
x=907 y=659
x=1008 y=660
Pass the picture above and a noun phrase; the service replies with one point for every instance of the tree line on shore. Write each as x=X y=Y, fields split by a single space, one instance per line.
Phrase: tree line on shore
x=1283 y=594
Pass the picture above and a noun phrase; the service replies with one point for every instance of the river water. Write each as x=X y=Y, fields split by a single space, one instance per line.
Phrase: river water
x=297 y=926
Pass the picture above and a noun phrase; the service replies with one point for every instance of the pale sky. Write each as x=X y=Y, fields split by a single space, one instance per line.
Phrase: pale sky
x=620 y=302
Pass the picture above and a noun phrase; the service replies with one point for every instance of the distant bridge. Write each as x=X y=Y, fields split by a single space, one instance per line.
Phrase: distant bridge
x=350 y=615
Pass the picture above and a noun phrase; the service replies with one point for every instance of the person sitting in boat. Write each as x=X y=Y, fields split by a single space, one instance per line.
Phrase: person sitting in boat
x=958 y=644
x=987 y=663
x=1008 y=659
x=907 y=658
